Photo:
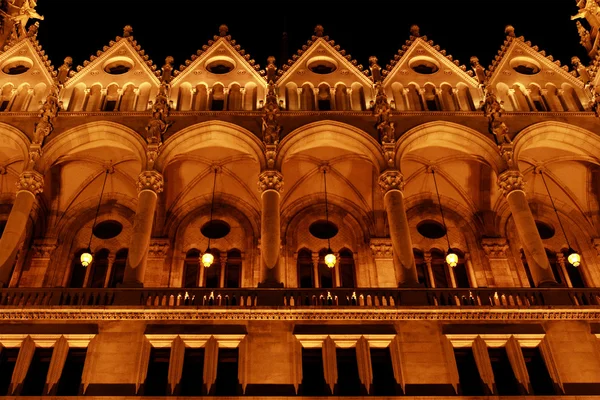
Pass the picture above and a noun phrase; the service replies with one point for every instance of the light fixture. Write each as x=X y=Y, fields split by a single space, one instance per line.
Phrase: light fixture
x=451 y=257
x=207 y=257
x=572 y=256
x=330 y=258
x=87 y=258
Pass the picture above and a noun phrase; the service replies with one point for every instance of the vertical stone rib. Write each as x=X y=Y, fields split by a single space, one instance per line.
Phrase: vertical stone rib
x=176 y=360
x=517 y=362
x=484 y=365
x=330 y=363
x=57 y=363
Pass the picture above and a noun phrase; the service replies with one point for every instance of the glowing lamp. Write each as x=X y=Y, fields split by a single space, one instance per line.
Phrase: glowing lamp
x=330 y=259
x=207 y=259
x=86 y=258
x=451 y=258
x=574 y=258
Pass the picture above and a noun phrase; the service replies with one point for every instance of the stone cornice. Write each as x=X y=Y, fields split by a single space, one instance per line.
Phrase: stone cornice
x=303 y=314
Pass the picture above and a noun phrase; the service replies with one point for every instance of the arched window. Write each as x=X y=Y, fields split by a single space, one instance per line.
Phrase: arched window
x=341 y=98
x=461 y=277
x=99 y=268
x=503 y=95
x=200 y=98
x=347 y=269
x=234 y=98
x=305 y=269
x=217 y=98
x=19 y=103
x=438 y=267
x=307 y=101
x=128 y=99
x=526 y=268
x=143 y=97
x=556 y=270
x=77 y=98
x=94 y=101
x=325 y=273
x=118 y=269
x=431 y=99
x=398 y=95
x=184 y=97
x=6 y=96
x=250 y=96
x=465 y=99
x=212 y=274
x=359 y=103
x=77 y=271
x=233 y=269
x=291 y=96
x=324 y=97
x=191 y=269
x=536 y=98
x=447 y=98
x=421 y=268
x=521 y=99
x=414 y=98
x=112 y=98
x=573 y=272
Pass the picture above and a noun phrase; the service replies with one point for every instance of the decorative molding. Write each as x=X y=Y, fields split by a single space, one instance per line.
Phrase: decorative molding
x=495 y=248
x=511 y=180
x=43 y=249
x=270 y=180
x=158 y=248
x=31 y=181
x=381 y=248
x=496 y=339
x=391 y=180
x=150 y=180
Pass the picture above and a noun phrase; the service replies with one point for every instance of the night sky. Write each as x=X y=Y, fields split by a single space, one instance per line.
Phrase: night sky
x=79 y=28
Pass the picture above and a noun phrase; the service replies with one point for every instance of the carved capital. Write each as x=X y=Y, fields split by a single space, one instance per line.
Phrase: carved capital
x=270 y=180
x=391 y=180
x=158 y=248
x=494 y=248
x=43 y=249
x=381 y=248
x=511 y=180
x=31 y=181
x=150 y=180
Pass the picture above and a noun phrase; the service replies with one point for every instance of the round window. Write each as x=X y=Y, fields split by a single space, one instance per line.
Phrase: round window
x=17 y=66
x=525 y=66
x=546 y=230
x=424 y=65
x=323 y=229
x=322 y=65
x=215 y=229
x=118 y=66
x=431 y=229
x=220 y=66
x=107 y=229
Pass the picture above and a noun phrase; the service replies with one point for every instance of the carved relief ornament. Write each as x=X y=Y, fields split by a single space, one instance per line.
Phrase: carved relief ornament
x=391 y=180
x=31 y=181
x=381 y=248
x=494 y=247
x=511 y=180
x=158 y=248
x=270 y=180
x=150 y=180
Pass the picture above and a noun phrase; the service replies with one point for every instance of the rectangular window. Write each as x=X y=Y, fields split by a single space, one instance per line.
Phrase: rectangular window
x=35 y=380
x=348 y=380
x=469 y=380
x=384 y=383
x=227 y=383
x=69 y=383
x=232 y=275
x=8 y=359
x=157 y=377
x=504 y=376
x=540 y=379
x=192 y=383
x=313 y=375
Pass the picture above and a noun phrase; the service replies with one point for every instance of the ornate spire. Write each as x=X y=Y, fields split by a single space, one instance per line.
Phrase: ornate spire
x=590 y=11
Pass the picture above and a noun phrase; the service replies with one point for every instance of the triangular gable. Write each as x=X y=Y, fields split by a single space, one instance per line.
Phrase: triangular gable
x=322 y=46
x=419 y=46
x=221 y=46
x=28 y=48
x=124 y=46
x=514 y=47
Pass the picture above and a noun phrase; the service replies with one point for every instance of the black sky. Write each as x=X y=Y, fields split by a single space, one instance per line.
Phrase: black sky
x=79 y=28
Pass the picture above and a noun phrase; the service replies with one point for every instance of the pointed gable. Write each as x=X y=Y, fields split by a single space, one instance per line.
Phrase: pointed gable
x=526 y=79
x=321 y=60
x=421 y=61
x=28 y=76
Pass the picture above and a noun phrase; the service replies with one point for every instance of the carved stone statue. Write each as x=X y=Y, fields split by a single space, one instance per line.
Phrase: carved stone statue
x=158 y=124
x=381 y=111
x=63 y=70
x=581 y=70
x=375 y=69
x=478 y=69
x=48 y=112
x=270 y=119
x=493 y=111
x=167 y=70
x=22 y=15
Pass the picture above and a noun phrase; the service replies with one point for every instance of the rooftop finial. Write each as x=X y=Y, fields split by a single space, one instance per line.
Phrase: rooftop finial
x=509 y=30
x=415 y=31
x=127 y=31
x=223 y=29
x=319 y=30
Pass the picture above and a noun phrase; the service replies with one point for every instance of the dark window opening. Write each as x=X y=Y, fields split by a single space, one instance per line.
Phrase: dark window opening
x=191 y=269
x=157 y=377
x=527 y=271
x=554 y=266
x=438 y=267
x=227 y=383
x=421 y=268
x=110 y=105
x=384 y=383
x=461 y=276
x=539 y=105
x=347 y=270
x=77 y=271
x=217 y=105
x=69 y=383
x=99 y=268
x=574 y=275
x=118 y=268
x=8 y=359
x=233 y=269
x=540 y=379
x=305 y=269
x=17 y=70
x=348 y=383
x=313 y=374
x=432 y=105
x=469 y=380
x=117 y=69
x=324 y=105
x=193 y=369
x=504 y=376
x=4 y=105
x=35 y=380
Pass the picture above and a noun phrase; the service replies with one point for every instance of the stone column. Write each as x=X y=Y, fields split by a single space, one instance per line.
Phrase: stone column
x=470 y=271
x=29 y=185
x=392 y=183
x=316 y=274
x=430 y=277
x=150 y=183
x=512 y=185
x=270 y=183
x=223 y=262
x=562 y=262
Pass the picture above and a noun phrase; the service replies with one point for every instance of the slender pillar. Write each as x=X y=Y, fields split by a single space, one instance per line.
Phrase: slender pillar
x=392 y=182
x=270 y=183
x=316 y=274
x=29 y=185
x=512 y=185
x=470 y=271
x=150 y=183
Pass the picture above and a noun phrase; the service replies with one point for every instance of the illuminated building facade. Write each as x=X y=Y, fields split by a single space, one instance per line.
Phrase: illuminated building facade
x=141 y=171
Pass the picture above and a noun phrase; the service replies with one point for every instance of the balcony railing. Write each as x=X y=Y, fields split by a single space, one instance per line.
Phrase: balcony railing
x=296 y=298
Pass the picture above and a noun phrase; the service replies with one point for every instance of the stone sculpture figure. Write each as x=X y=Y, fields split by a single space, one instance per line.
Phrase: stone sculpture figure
x=493 y=111
x=382 y=110
x=48 y=112
x=270 y=119
x=167 y=70
x=25 y=12
x=158 y=124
